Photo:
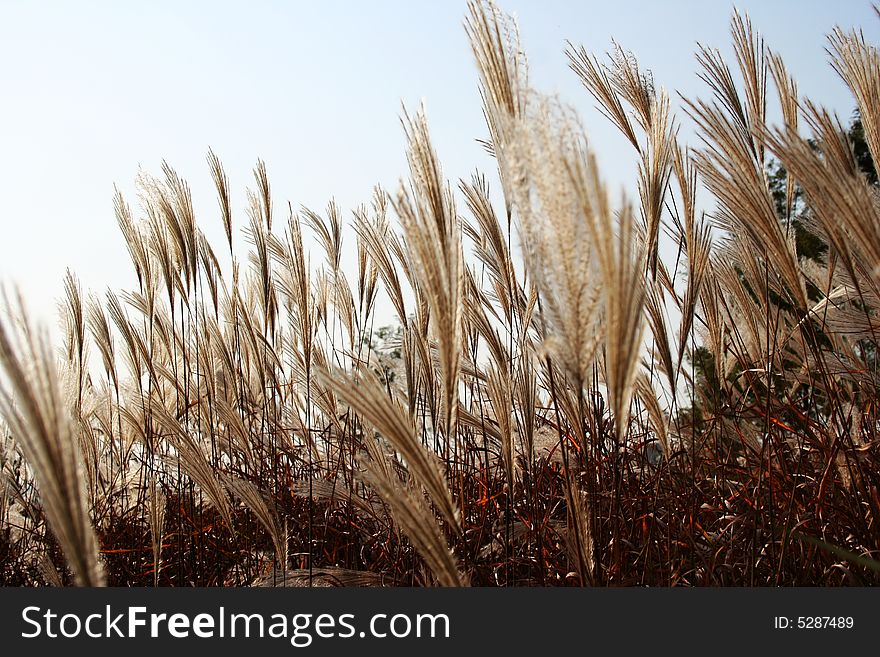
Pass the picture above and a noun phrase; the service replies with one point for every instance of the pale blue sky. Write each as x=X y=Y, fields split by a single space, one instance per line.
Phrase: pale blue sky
x=90 y=91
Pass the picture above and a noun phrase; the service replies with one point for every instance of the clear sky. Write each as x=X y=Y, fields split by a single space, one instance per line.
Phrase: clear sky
x=91 y=91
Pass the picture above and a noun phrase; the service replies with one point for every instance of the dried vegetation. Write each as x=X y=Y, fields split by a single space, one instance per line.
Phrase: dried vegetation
x=563 y=403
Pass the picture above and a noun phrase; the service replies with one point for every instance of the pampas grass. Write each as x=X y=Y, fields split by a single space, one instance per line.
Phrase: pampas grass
x=582 y=387
x=38 y=415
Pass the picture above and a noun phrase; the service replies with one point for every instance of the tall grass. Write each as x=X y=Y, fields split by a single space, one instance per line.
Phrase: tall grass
x=583 y=389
